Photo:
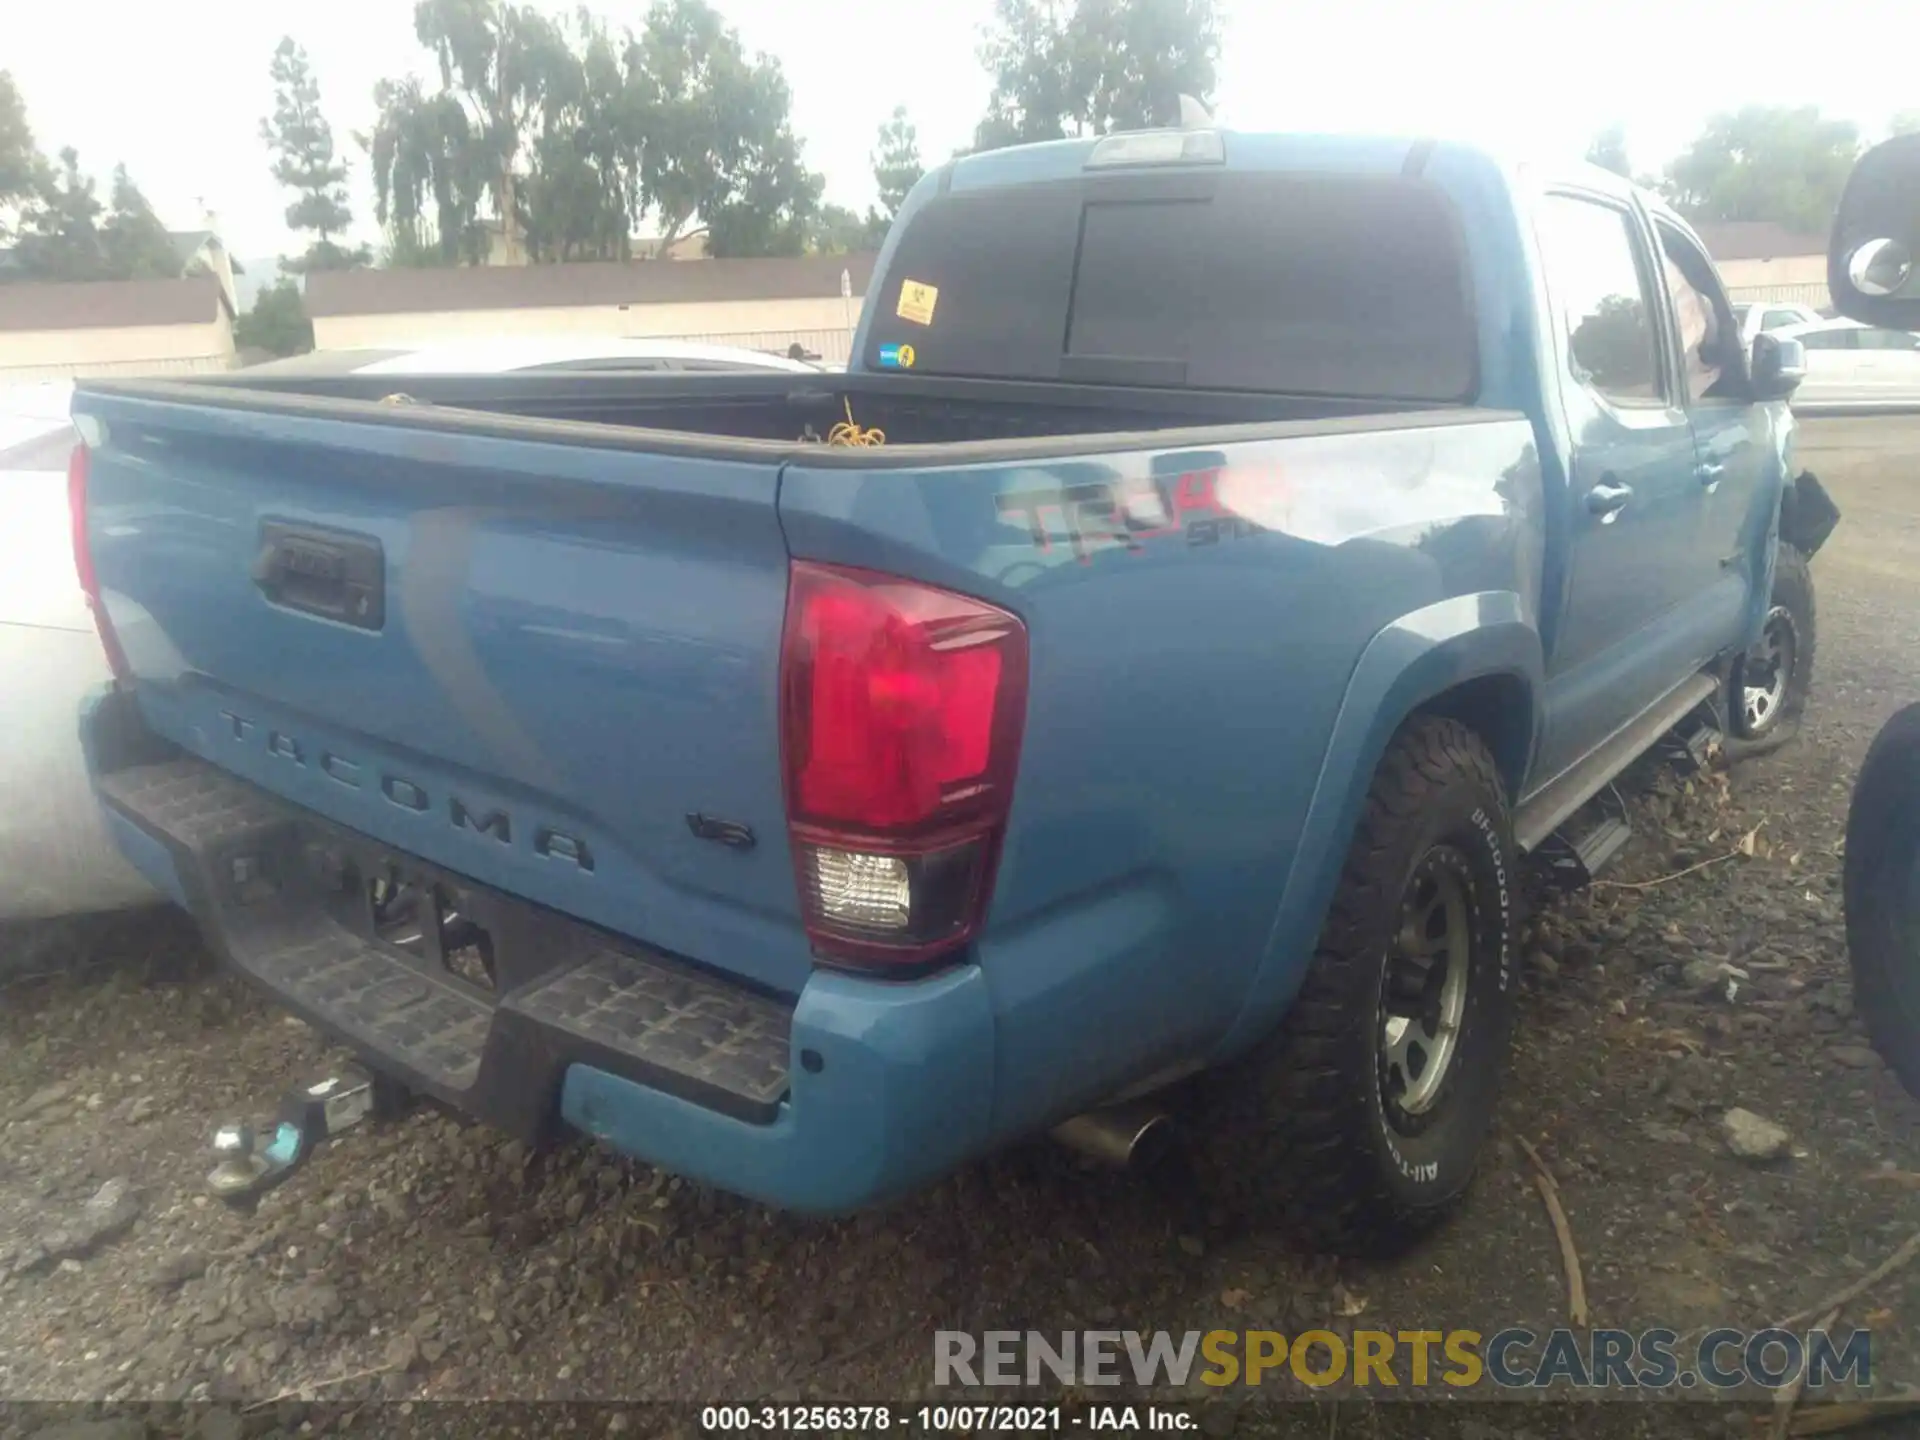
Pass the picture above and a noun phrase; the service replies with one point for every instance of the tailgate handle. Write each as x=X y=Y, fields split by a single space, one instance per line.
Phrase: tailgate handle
x=334 y=574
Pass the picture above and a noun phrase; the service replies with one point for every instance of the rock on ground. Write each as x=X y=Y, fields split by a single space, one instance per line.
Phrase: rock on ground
x=106 y=1214
x=1753 y=1137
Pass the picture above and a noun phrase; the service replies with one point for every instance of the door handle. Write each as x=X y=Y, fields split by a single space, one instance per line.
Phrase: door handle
x=334 y=574
x=1710 y=472
x=1607 y=501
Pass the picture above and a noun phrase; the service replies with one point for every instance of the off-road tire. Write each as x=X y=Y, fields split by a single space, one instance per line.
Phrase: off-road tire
x=1793 y=594
x=1883 y=894
x=1301 y=1133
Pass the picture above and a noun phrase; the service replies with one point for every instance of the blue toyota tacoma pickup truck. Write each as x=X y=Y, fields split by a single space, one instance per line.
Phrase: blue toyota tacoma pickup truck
x=1273 y=539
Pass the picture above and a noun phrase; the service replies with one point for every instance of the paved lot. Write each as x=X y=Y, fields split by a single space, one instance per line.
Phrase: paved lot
x=428 y=1259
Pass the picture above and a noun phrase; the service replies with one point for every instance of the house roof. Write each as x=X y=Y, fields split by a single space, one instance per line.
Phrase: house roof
x=103 y=304
x=1756 y=240
x=187 y=243
x=516 y=287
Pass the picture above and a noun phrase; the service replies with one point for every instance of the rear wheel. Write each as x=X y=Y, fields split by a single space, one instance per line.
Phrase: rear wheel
x=1360 y=1121
x=1883 y=894
x=1770 y=683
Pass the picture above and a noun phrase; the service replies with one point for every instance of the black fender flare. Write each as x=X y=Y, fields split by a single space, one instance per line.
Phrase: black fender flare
x=1807 y=513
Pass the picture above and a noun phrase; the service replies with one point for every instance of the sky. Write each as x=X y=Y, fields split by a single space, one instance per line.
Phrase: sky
x=177 y=92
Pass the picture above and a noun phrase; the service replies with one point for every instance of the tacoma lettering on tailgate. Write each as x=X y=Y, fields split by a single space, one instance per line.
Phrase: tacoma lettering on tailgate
x=491 y=821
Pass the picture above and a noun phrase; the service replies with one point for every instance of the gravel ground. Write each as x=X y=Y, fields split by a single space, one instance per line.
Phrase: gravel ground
x=424 y=1259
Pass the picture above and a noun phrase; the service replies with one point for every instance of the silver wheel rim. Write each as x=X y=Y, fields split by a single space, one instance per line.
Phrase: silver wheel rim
x=1423 y=988
x=1769 y=665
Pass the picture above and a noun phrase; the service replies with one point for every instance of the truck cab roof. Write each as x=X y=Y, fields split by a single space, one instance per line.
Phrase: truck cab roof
x=1243 y=150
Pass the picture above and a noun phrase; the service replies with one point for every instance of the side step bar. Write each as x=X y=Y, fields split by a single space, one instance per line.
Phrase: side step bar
x=1690 y=752
x=1549 y=807
x=1574 y=860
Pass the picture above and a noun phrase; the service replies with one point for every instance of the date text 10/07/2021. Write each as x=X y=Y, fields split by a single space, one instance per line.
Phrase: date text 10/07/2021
x=943 y=1419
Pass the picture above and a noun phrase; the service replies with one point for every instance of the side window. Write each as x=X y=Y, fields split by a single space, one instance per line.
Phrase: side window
x=1777 y=318
x=1600 y=299
x=1828 y=339
x=1709 y=342
x=1887 y=340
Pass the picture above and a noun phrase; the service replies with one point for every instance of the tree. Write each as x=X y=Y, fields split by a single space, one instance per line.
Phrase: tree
x=896 y=162
x=585 y=187
x=410 y=247
x=67 y=234
x=1134 y=59
x=277 y=323
x=437 y=158
x=428 y=180
x=134 y=245
x=1609 y=151
x=60 y=237
x=499 y=63
x=55 y=215
x=770 y=210
x=301 y=140
x=1907 y=122
x=1109 y=65
x=720 y=147
x=836 y=230
x=1027 y=51
x=23 y=170
x=567 y=137
x=1788 y=165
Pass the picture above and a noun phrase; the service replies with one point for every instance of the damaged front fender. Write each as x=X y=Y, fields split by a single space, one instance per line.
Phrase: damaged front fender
x=1807 y=514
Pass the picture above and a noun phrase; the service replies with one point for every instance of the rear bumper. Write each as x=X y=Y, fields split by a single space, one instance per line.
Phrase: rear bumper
x=856 y=1091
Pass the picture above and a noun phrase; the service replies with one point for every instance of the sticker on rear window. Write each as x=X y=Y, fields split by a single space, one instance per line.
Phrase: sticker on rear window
x=917 y=299
x=896 y=357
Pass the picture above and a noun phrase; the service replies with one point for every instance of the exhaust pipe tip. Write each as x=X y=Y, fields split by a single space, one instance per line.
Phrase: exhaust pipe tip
x=1133 y=1136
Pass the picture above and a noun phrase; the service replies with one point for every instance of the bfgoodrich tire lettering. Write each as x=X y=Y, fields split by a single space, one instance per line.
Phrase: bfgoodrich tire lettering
x=1314 y=1129
x=1883 y=894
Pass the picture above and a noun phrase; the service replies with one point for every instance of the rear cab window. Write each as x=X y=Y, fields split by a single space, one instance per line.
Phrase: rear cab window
x=1275 y=282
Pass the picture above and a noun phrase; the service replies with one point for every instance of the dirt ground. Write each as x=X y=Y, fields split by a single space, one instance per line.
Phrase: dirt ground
x=428 y=1260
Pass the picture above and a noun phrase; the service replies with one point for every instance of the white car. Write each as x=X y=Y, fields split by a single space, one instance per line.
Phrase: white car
x=1771 y=315
x=1856 y=366
x=55 y=855
x=497 y=355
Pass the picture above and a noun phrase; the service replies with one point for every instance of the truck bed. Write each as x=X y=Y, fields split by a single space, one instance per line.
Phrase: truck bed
x=686 y=413
x=522 y=652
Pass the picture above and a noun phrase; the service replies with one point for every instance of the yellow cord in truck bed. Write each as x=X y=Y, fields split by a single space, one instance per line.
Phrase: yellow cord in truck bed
x=850 y=432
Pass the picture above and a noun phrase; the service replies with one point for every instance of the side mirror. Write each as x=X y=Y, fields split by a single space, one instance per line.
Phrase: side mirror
x=1871 y=269
x=1778 y=366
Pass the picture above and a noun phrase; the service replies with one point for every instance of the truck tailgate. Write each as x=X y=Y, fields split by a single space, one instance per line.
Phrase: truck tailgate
x=532 y=661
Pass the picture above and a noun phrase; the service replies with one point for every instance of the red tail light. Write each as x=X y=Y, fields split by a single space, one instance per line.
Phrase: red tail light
x=901 y=711
x=83 y=562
